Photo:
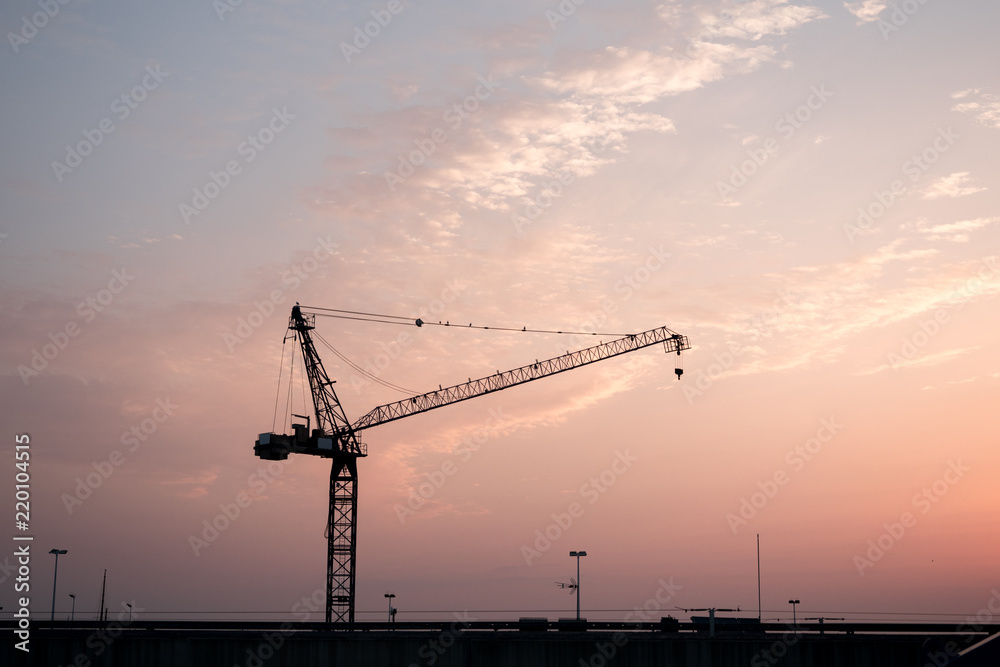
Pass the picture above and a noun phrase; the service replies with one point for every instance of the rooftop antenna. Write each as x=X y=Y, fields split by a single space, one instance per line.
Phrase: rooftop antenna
x=572 y=585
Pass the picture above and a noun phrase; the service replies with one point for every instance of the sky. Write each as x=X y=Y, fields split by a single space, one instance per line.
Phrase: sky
x=805 y=190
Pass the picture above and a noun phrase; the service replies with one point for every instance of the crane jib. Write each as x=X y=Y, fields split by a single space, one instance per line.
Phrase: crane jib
x=445 y=396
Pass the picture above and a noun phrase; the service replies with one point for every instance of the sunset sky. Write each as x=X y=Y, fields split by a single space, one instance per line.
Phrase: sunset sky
x=806 y=190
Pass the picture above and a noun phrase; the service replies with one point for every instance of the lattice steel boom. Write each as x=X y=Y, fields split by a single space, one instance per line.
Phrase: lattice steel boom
x=672 y=342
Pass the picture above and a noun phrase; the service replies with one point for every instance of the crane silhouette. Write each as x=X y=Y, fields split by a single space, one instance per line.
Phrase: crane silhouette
x=336 y=438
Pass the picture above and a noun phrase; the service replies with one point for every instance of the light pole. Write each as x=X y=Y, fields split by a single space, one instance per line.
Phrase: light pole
x=72 y=614
x=129 y=612
x=55 y=574
x=793 y=603
x=577 y=554
x=390 y=596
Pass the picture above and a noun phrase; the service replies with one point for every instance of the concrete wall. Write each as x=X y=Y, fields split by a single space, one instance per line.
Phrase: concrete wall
x=254 y=648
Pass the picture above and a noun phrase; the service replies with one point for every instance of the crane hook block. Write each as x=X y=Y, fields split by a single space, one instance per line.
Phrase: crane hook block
x=419 y=322
x=680 y=372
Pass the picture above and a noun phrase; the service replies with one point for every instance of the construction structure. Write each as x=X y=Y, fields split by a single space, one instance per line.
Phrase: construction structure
x=336 y=438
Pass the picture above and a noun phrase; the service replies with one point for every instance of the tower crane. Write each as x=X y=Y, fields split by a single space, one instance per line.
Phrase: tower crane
x=335 y=437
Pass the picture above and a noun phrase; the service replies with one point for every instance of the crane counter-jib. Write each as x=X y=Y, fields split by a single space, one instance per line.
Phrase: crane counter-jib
x=672 y=342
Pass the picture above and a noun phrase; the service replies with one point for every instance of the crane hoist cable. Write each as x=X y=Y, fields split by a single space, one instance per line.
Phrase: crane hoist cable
x=359 y=369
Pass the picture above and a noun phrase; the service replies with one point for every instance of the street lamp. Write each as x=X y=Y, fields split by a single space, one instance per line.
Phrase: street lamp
x=55 y=574
x=390 y=596
x=129 y=612
x=72 y=614
x=577 y=554
x=793 y=603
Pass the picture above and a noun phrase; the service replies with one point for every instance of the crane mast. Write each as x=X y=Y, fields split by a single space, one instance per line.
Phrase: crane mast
x=337 y=439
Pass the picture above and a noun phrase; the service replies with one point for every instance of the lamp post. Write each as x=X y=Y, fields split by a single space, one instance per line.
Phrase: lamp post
x=390 y=596
x=55 y=575
x=129 y=612
x=577 y=554
x=72 y=614
x=793 y=603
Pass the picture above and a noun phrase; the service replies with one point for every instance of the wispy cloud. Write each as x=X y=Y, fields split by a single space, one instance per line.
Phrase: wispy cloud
x=984 y=107
x=958 y=184
x=956 y=232
x=566 y=121
x=866 y=11
x=193 y=485
x=757 y=19
x=923 y=360
x=827 y=305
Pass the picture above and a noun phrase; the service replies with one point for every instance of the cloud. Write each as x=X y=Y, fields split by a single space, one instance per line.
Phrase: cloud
x=758 y=18
x=958 y=184
x=984 y=107
x=545 y=124
x=866 y=11
x=956 y=232
x=811 y=313
x=923 y=360
x=193 y=485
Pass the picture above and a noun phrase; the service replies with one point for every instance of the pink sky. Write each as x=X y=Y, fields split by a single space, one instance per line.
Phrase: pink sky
x=802 y=189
